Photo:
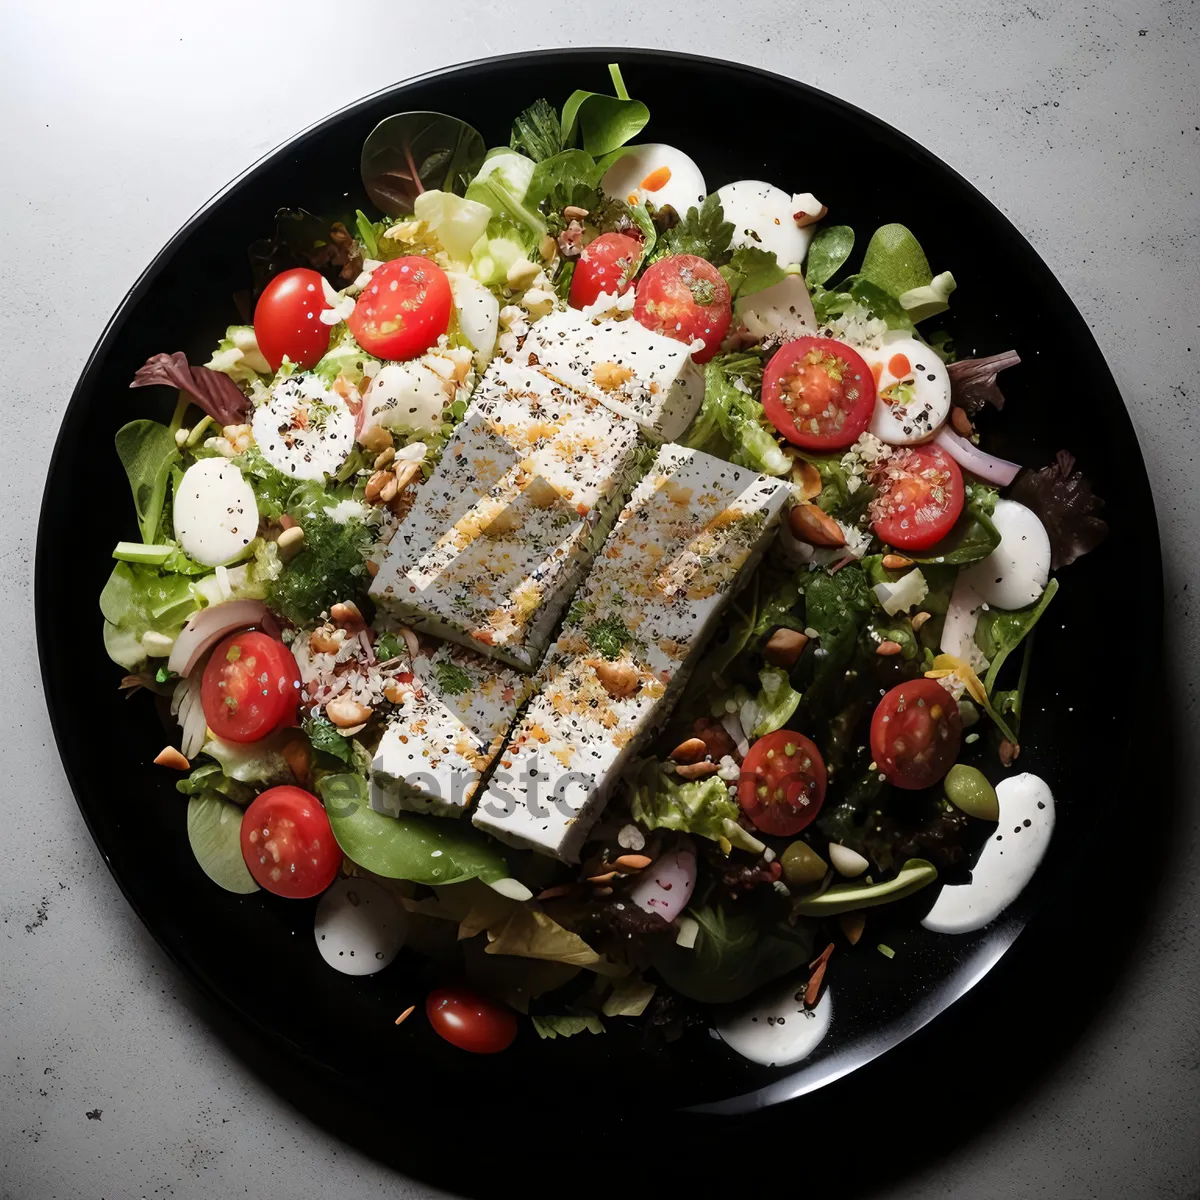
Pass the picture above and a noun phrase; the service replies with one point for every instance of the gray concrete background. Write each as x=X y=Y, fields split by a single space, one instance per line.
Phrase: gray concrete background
x=1080 y=121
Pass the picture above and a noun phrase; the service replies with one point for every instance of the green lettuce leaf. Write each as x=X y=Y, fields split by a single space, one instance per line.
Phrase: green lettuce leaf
x=774 y=705
x=930 y=300
x=731 y=425
x=605 y=123
x=147 y=451
x=734 y=955
x=752 y=269
x=412 y=846
x=999 y=632
x=827 y=254
x=238 y=356
x=567 y=1025
x=208 y=777
x=701 y=807
x=571 y=177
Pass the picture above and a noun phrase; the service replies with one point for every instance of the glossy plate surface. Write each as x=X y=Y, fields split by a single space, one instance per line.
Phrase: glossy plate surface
x=256 y=955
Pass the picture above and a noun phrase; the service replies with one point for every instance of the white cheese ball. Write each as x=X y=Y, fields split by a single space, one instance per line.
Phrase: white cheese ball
x=214 y=513
x=409 y=397
x=304 y=430
x=912 y=389
x=763 y=216
x=359 y=927
x=655 y=174
x=1016 y=572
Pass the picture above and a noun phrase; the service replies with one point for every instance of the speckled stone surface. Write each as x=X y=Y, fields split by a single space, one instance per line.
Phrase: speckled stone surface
x=1081 y=121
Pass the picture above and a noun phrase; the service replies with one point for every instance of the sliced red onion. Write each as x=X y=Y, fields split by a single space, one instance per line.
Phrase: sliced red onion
x=208 y=626
x=985 y=466
x=665 y=887
x=187 y=707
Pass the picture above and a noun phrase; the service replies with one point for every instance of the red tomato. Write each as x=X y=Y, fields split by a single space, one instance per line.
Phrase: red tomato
x=915 y=733
x=251 y=686
x=921 y=497
x=818 y=393
x=470 y=1021
x=685 y=298
x=286 y=321
x=607 y=264
x=288 y=845
x=782 y=784
x=403 y=310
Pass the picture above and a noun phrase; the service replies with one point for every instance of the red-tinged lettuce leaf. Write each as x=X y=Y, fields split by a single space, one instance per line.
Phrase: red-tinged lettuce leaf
x=973 y=380
x=215 y=393
x=1066 y=505
x=415 y=152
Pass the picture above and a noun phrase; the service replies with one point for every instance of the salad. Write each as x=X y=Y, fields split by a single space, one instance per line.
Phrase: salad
x=584 y=580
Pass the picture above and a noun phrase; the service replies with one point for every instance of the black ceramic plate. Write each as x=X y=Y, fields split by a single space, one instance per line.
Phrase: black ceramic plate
x=255 y=955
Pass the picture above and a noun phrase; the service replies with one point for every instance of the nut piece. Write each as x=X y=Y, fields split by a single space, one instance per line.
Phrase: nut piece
x=168 y=756
x=347 y=614
x=522 y=273
x=345 y=712
x=375 y=486
x=548 y=248
x=372 y=568
x=326 y=640
x=808 y=209
x=376 y=439
x=609 y=375
x=574 y=213
x=853 y=924
x=811 y=525
x=698 y=770
x=896 y=562
x=919 y=619
x=385 y=457
x=1009 y=752
x=387 y=493
x=288 y=543
x=785 y=647
x=887 y=649
x=961 y=422
x=632 y=862
x=690 y=751
x=396 y=692
x=619 y=679
x=807 y=478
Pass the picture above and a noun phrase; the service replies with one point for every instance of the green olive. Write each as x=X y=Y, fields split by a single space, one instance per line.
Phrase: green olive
x=969 y=790
x=802 y=865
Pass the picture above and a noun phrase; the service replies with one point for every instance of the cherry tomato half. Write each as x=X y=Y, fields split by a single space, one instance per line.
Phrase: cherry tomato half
x=915 y=733
x=287 y=322
x=782 y=784
x=403 y=310
x=607 y=264
x=250 y=687
x=470 y=1021
x=818 y=393
x=288 y=845
x=921 y=496
x=684 y=297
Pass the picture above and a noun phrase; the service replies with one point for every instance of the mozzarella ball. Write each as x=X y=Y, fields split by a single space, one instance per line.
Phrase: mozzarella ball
x=1016 y=572
x=359 y=927
x=304 y=430
x=762 y=216
x=409 y=396
x=215 y=514
x=912 y=390
x=655 y=174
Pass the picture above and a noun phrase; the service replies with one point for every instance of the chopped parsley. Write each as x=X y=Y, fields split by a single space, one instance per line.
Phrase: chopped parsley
x=609 y=637
x=452 y=679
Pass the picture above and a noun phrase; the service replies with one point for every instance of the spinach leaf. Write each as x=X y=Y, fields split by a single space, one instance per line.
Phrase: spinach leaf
x=214 y=828
x=429 y=850
x=828 y=253
x=882 y=628
x=846 y=897
x=702 y=231
x=734 y=954
x=751 y=269
x=415 y=152
x=325 y=738
x=895 y=262
x=605 y=122
x=999 y=632
x=836 y=606
x=835 y=497
x=147 y=451
x=537 y=132
x=567 y=178
x=881 y=304
x=973 y=537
